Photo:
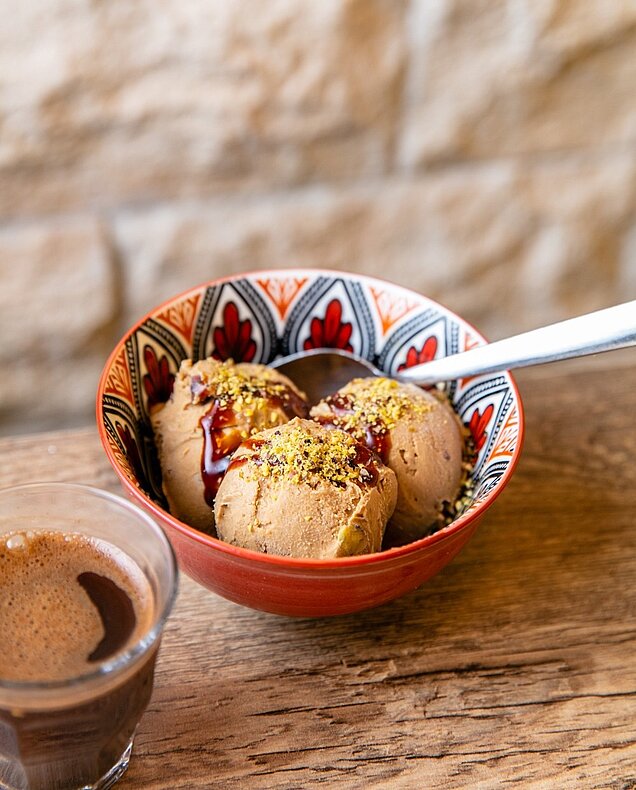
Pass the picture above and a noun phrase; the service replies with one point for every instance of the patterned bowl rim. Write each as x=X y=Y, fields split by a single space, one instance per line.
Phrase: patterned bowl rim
x=303 y=563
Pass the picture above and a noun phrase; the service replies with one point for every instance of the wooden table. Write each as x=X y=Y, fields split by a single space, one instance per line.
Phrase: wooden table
x=516 y=664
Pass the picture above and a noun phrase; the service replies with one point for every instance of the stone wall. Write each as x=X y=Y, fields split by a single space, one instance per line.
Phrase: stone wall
x=480 y=151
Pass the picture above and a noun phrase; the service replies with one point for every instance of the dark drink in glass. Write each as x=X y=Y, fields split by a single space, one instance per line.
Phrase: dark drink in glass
x=86 y=583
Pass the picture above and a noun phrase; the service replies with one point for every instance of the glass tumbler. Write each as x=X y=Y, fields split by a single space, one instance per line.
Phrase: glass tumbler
x=77 y=732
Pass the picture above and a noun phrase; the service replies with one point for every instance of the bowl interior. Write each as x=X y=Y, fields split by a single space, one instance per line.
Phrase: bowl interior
x=257 y=317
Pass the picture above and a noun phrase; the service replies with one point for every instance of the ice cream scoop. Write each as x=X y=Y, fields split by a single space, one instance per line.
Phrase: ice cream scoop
x=417 y=435
x=303 y=490
x=214 y=406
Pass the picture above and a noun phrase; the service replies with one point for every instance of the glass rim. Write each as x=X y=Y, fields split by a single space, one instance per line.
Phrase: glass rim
x=127 y=658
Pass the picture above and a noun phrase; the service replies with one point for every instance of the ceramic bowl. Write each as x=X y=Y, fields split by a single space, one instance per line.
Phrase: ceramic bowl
x=257 y=317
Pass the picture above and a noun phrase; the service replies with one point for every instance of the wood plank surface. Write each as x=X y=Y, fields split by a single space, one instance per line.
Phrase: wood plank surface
x=514 y=666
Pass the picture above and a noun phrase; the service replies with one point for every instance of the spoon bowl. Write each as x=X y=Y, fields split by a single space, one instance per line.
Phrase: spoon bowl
x=320 y=372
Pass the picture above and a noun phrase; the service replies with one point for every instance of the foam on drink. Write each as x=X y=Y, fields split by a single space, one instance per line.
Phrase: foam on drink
x=66 y=602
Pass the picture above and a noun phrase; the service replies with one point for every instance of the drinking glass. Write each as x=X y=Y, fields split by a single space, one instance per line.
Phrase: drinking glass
x=78 y=732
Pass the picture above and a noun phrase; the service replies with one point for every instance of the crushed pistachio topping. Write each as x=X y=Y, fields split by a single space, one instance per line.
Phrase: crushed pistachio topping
x=466 y=495
x=229 y=385
x=378 y=405
x=291 y=452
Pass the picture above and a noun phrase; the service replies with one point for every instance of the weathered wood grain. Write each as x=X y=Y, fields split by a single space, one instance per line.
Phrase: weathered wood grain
x=514 y=666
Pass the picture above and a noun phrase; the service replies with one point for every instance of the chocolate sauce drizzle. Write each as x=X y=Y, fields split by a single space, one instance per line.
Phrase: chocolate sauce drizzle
x=376 y=437
x=249 y=444
x=366 y=457
x=219 y=444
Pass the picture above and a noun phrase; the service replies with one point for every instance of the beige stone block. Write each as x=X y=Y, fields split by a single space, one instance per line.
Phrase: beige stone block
x=57 y=308
x=125 y=102
x=58 y=287
x=40 y=396
x=506 y=246
x=490 y=79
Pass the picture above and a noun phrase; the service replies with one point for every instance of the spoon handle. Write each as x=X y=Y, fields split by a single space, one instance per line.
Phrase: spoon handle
x=603 y=330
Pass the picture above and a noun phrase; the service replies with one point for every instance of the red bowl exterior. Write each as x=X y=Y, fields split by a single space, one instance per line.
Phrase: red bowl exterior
x=308 y=591
x=303 y=587
x=321 y=593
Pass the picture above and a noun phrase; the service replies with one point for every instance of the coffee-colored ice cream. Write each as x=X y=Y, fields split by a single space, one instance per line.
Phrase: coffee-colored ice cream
x=417 y=434
x=303 y=490
x=215 y=406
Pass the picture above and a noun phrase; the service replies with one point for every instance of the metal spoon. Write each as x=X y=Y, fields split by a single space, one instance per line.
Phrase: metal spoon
x=320 y=372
